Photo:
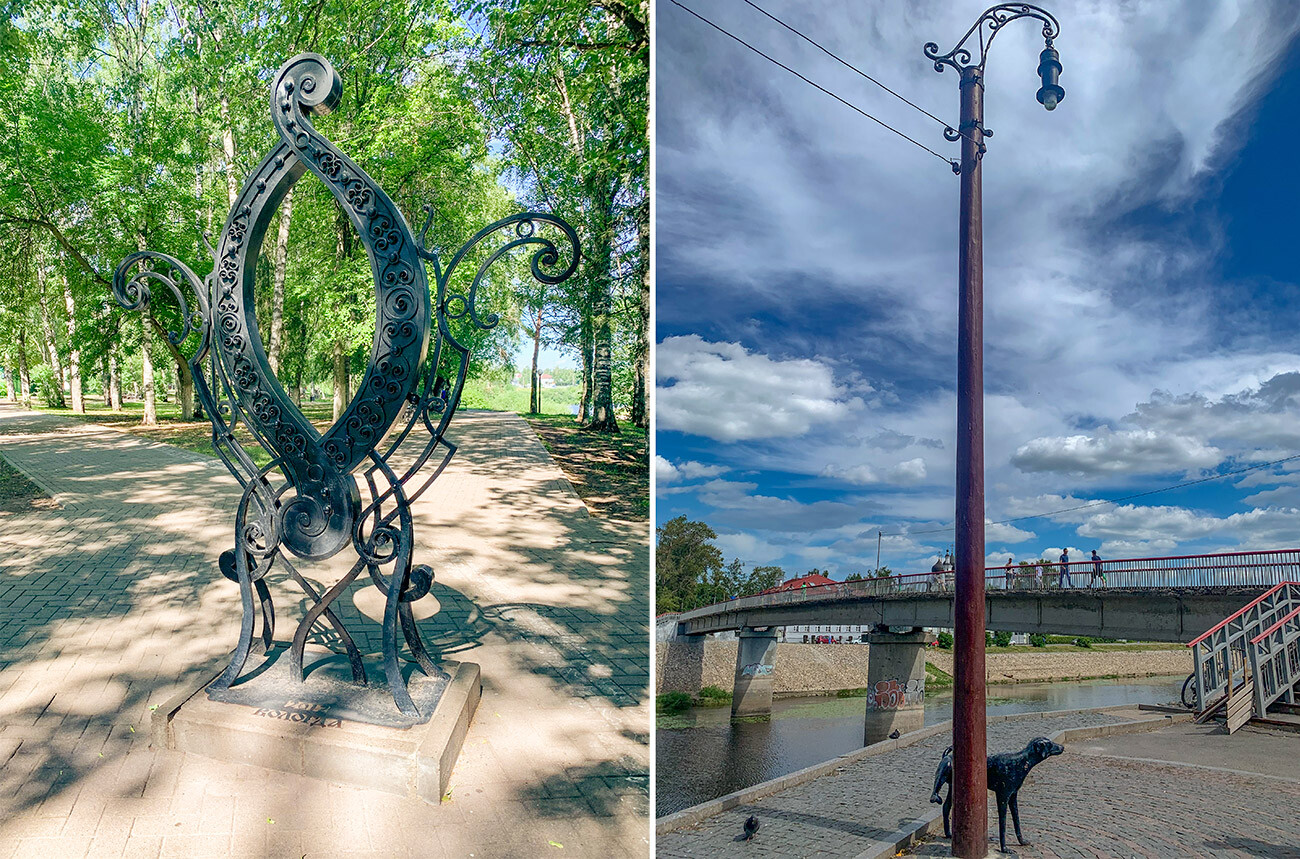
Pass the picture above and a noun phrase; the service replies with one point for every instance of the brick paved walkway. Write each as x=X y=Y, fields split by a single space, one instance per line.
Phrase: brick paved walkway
x=1086 y=807
x=842 y=813
x=113 y=603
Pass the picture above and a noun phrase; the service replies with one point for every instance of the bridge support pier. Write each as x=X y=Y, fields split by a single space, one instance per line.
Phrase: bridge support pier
x=895 y=683
x=755 y=664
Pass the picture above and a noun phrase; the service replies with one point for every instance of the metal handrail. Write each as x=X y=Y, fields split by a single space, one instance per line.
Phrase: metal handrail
x=1213 y=570
x=1239 y=612
x=1275 y=627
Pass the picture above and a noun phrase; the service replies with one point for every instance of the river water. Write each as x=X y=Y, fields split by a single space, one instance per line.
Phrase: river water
x=701 y=755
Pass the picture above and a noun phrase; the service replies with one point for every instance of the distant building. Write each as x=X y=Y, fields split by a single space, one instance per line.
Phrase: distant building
x=826 y=633
x=812 y=580
x=818 y=633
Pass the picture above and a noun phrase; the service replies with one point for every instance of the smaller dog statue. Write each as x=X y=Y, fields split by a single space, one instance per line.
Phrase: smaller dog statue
x=1006 y=773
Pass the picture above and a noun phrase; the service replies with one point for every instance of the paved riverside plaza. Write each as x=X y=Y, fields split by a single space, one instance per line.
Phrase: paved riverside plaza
x=1182 y=792
x=113 y=603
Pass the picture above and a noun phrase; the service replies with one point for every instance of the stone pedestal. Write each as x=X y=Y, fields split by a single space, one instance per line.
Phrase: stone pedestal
x=895 y=684
x=327 y=727
x=755 y=664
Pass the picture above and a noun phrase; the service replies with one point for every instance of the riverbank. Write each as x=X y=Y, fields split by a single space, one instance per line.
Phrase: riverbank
x=827 y=669
x=703 y=753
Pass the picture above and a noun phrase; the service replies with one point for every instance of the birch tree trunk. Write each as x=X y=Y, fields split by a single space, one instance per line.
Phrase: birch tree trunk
x=535 y=395
x=11 y=379
x=341 y=396
x=51 y=345
x=184 y=379
x=24 y=377
x=641 y=353
x=277 y=291
x=74 y=354
x=228 y=149
x=599 y=274
x=584 y=406
x=150 y=417
x=114 y=383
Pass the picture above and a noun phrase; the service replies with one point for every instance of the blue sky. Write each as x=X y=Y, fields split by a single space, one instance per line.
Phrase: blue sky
x=1141 y=309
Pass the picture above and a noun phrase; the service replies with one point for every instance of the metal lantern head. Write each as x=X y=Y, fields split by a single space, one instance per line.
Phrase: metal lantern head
x=1050 y=94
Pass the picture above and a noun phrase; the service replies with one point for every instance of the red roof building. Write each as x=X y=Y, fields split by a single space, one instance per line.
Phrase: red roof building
x=812 y=580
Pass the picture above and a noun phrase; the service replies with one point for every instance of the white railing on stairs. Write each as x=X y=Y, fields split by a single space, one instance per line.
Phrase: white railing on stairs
x=1253 y=652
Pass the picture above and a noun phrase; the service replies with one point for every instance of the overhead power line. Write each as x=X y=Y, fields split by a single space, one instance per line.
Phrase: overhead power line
x=1105 y=501
x=953 y=164
x=837 y=58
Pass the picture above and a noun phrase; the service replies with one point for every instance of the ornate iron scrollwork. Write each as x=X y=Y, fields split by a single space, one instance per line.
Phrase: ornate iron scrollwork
x=307 y=501
x=985 y=29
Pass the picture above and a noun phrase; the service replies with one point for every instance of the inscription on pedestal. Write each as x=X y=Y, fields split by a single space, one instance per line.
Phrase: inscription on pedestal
x=306 y=712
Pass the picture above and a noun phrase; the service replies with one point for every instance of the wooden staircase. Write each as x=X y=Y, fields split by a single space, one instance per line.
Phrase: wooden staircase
x=1251 y=659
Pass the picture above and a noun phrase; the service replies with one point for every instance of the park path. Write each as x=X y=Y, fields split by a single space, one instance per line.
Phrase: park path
x=112 y=604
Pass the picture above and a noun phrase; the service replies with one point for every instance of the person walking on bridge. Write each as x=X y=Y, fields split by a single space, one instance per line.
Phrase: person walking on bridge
x=1097 y=572
x=1063 y=580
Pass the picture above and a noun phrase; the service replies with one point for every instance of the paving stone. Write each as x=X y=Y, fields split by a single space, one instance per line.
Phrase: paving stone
x=1090 y=806
x=112 y=604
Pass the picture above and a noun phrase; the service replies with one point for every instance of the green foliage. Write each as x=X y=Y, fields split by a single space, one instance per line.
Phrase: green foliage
x=936 y=678
x=672 y=702
x=505 y=397
x=1083 y=641
x=883 y=573
x=853 y=577
x=1002 y=638
x=713 y=696
x=47 y=387
x=118 y=118
x=1038 y=640
x=945 y=640
x=685 y=557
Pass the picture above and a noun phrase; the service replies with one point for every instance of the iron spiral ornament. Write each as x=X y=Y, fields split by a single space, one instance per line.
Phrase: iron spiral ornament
x=307 y=503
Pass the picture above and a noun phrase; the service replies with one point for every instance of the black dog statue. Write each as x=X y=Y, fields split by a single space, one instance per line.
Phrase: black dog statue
x=1006 y=774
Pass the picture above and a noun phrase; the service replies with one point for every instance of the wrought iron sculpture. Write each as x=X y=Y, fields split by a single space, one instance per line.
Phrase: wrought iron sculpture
x=306 y=502
x=1007 y=772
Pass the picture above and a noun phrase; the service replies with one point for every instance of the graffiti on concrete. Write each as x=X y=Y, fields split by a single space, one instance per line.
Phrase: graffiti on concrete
x=893 y=694
x=757 y=669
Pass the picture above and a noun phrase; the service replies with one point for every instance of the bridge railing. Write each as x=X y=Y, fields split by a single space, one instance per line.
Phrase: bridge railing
x=1223 y=570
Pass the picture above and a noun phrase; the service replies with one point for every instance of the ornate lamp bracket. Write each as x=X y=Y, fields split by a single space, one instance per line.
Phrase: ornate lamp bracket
x=985 y=29
x=961 y=58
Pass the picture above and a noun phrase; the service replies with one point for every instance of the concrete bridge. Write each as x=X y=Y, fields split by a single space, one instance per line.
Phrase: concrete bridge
x=1148 y=599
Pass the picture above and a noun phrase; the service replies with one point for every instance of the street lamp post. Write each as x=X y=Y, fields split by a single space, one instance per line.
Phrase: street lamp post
x=969 y=776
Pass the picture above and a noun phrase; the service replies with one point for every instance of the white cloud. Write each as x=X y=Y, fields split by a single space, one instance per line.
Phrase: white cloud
x=899 y=474
x=1109 y=452
x=666 y=472
x=725 y=392
x=740 y=507
x=1004 y=533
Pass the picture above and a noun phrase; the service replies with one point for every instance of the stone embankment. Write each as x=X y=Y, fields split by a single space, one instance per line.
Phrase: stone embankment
x=812 y=669
x=1047 y=665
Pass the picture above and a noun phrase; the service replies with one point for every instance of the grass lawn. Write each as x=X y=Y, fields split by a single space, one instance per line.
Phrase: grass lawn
x=610 y=473
x=20 y=495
